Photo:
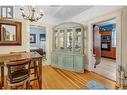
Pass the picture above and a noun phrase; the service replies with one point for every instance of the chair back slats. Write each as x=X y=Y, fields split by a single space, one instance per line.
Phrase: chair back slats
x=18 y=70
x=17 y=65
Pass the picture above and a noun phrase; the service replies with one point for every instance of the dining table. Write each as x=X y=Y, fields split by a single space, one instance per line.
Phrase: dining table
x=33 y=56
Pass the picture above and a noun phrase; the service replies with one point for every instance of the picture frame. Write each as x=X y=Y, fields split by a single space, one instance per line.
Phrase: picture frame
x=32 y=38
x=42 y=37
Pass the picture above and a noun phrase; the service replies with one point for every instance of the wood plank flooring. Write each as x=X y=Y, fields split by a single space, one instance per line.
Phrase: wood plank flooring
x=54 y=78
x=106 y=68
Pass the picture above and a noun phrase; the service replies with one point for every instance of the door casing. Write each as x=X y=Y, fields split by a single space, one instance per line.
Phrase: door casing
x=114 y=15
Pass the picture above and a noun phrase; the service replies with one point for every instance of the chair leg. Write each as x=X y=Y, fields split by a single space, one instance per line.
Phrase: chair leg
x=35 y=71
x=2 y=76
x=10 y=87
x=38 y=76
x=28 y=84
x=0 y=86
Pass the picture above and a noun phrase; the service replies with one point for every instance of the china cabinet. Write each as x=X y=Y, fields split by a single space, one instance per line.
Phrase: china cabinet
x=68 y=47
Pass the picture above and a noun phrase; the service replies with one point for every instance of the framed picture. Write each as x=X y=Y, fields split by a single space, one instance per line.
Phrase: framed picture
x=42 y=37
x=32 y=38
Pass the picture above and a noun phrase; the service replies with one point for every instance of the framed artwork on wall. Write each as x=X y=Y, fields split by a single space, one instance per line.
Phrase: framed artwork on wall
x=32 y=38
x=42 y=37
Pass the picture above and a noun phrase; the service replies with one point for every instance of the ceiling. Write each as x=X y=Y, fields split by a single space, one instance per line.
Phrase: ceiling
x=66 y=12
x=60 y=13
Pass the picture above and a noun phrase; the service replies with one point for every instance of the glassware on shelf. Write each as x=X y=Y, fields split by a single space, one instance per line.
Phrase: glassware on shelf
x=56 y=40
x=77 y=44
x=61 y=39
x=69 y=39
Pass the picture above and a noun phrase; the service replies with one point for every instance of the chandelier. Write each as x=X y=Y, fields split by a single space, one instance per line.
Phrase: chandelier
x=31 y=16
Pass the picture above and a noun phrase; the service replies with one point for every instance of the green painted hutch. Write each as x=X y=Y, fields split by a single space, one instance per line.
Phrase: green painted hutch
x=68 y=47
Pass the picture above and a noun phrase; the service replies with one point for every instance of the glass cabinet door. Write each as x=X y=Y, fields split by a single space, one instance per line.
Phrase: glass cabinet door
x=61 y=39
x=69 y=38
x=77 y=40
x=56 y=39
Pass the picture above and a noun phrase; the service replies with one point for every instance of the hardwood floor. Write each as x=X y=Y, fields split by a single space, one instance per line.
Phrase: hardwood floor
x=54 y=78
x=106 y=68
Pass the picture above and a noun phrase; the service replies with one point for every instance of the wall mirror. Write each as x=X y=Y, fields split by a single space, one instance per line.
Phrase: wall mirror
x=10 y=32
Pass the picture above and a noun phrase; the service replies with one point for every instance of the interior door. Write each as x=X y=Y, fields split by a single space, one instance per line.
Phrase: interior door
x=97 y=44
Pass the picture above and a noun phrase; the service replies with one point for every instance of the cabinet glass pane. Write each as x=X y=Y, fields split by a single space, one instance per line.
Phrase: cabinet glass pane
x=69 y=39
x=61 y=39
x=77 y=41
x=56 y=39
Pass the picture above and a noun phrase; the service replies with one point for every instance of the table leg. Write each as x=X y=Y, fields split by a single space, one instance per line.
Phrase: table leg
x=40 y=73
x=2 y=75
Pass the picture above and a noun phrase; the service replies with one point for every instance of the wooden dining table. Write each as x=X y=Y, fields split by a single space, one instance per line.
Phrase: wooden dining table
x=34 y=56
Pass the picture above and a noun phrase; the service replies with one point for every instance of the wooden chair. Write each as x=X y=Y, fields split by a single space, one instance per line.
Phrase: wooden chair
x=18 y=73
x=34 y=71
x=2 y=75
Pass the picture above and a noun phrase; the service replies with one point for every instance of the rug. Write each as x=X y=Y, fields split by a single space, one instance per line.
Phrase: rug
x=95 y=85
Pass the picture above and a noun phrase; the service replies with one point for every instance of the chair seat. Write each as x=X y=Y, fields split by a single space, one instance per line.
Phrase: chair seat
x=19 y=75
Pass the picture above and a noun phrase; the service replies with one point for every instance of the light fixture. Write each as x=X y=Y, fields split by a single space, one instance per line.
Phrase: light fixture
x=31 y=16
